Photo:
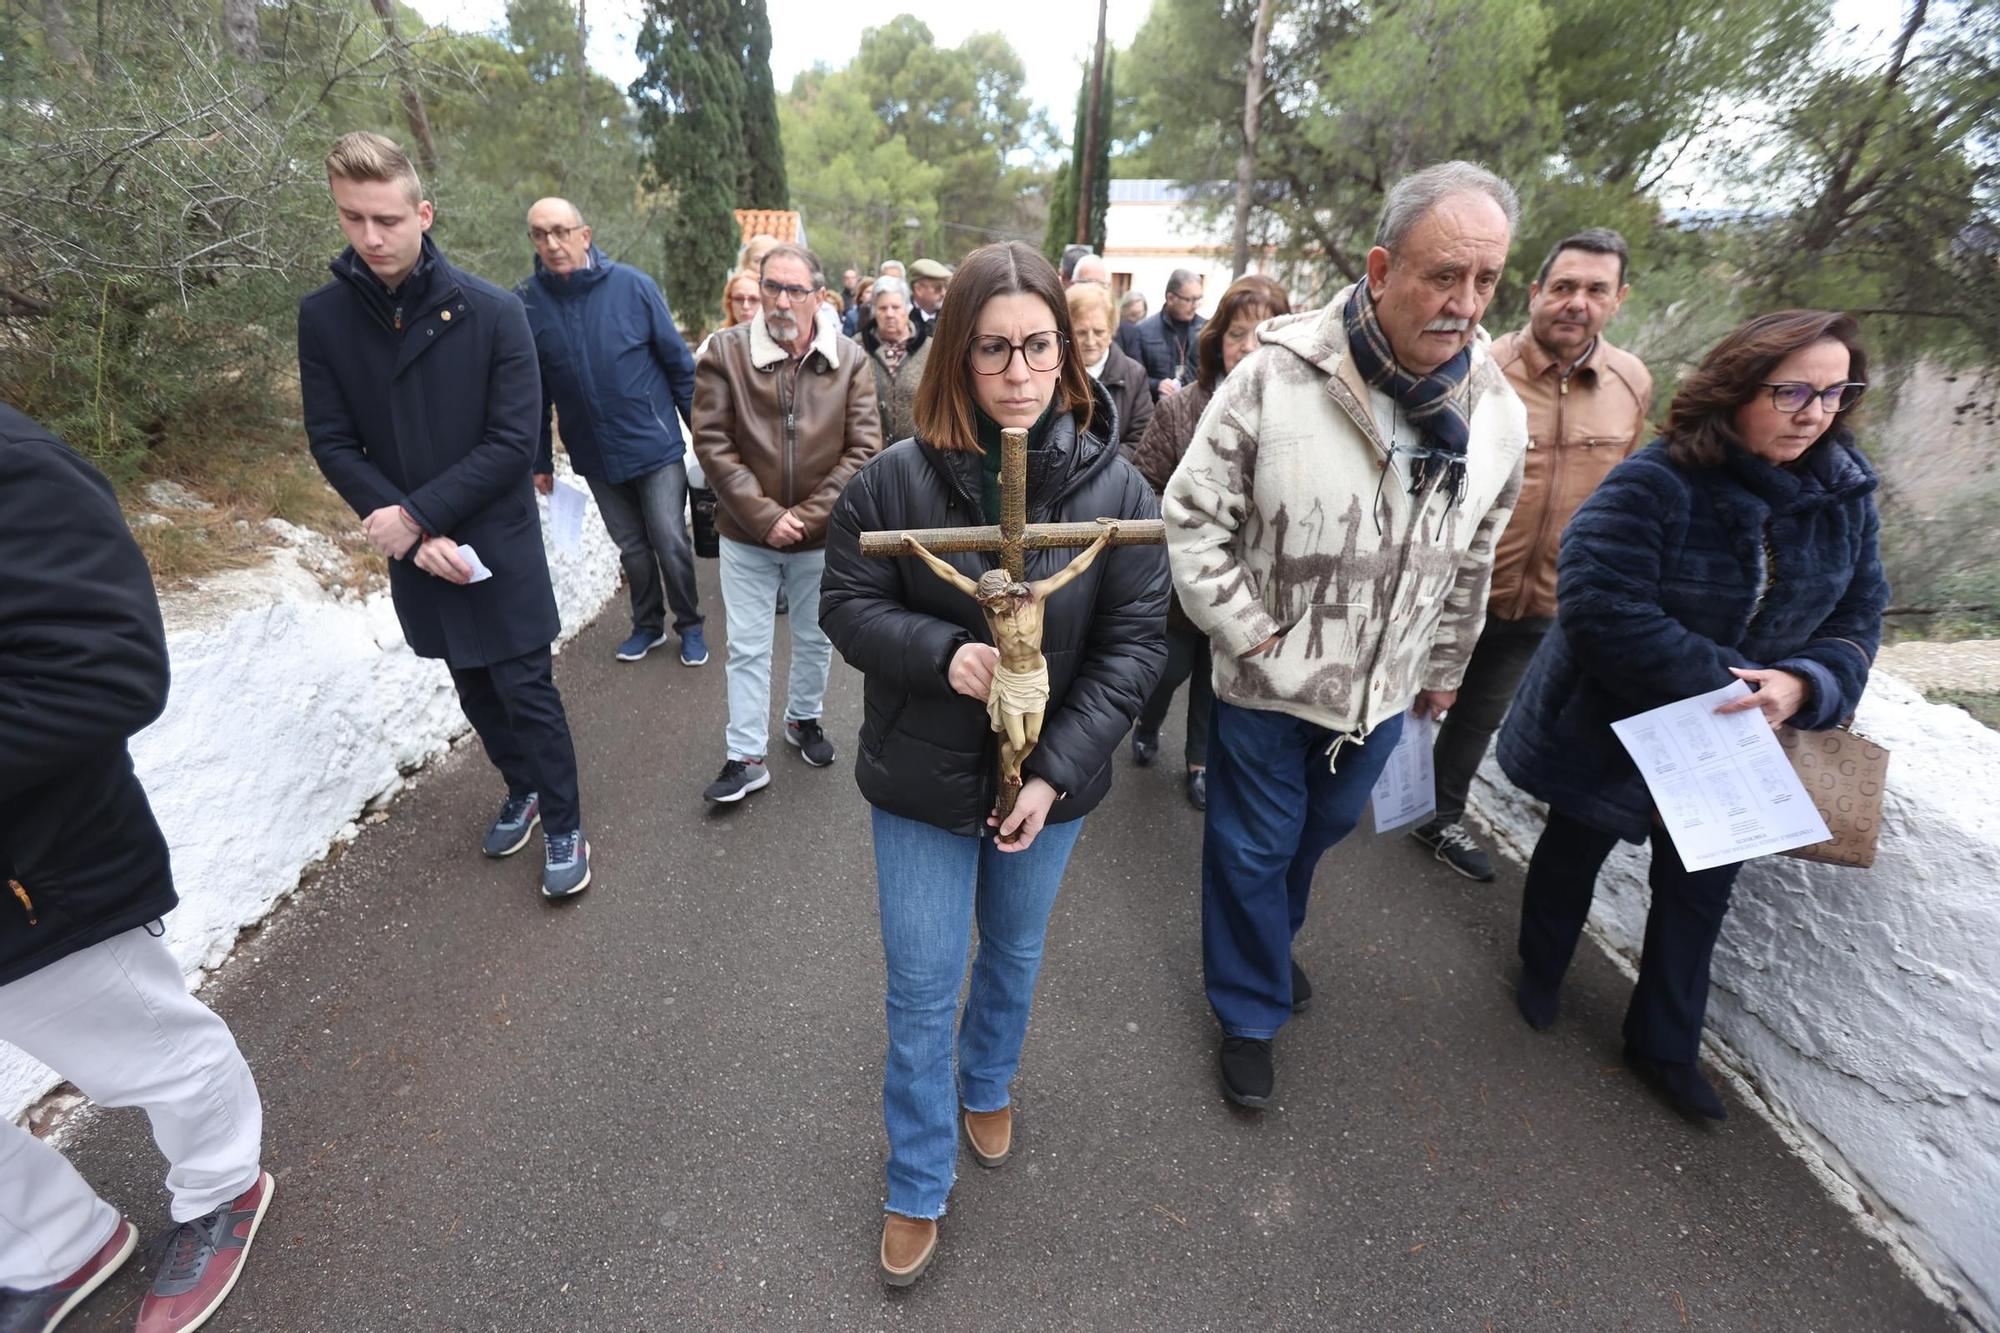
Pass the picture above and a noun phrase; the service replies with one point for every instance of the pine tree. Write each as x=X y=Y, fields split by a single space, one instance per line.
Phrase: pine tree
x=762 y=184
x=690 y=100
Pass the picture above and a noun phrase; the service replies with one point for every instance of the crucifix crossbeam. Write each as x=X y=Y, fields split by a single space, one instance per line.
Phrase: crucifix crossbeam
x=1013 y=613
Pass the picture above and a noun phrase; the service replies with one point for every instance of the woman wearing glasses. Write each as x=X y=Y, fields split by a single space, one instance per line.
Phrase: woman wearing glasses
x=1000 y=357
x=1739 y=546
x=742 y=301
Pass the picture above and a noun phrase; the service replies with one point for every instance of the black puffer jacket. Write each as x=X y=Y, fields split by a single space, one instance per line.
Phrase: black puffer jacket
x=83 y=665
x=928 y=752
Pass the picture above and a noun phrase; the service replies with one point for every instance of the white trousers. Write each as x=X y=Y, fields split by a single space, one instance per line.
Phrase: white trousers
x=116 y=1019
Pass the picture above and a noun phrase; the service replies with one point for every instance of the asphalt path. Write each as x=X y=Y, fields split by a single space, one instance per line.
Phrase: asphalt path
x=658 y=1106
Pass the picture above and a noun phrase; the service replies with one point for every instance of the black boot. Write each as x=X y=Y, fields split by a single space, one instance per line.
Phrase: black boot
x=1302 y=989
x=1537 y=1000
x=1680 y=1083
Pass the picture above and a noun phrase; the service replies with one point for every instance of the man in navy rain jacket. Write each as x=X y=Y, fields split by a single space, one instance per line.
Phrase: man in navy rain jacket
x=616 y=371
x=420 y=393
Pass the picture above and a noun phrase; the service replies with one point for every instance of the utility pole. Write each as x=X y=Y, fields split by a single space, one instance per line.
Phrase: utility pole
x=1246 y=161
x=1086 y=187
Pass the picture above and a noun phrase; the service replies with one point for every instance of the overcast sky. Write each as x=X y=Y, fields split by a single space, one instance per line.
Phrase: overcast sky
x=1053 y=37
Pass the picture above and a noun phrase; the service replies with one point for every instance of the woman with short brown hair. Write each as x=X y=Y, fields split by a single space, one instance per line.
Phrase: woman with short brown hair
x=1741 y=545
x=999 y=357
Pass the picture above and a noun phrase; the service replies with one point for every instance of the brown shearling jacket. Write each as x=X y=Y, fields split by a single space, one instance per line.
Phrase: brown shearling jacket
x=1580 y=426
x=774 y=434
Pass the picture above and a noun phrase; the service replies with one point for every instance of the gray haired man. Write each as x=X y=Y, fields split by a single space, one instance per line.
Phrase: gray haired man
x=784 y=414
x=1331 y=529
x=1167 y=339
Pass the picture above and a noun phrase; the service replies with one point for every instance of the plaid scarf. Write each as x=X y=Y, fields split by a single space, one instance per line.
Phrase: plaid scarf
x=1438 y=404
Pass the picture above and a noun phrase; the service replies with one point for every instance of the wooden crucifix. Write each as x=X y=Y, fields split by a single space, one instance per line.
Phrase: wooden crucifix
x=1012 y=606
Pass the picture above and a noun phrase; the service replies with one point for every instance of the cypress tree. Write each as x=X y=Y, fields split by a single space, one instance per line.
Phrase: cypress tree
x=763 y=180
x=1063 y=201
x=1100 y=171
x=1061 y=233
x=690 y=100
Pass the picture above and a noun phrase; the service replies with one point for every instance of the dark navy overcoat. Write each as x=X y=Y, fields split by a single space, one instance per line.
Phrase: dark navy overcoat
x=431 y=399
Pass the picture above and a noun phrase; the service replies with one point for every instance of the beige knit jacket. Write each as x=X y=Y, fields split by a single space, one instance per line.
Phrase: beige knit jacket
x=1287 y=517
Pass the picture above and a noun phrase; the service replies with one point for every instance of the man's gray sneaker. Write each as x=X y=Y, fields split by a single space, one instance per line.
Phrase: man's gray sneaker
x=567 y=869
x=1451 y=843
x=516 y=821
x=739 y=777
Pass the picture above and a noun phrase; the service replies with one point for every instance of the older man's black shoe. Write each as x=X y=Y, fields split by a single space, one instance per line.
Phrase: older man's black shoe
x=1302 y=989
x=1247 y=1074
x=1145 y=744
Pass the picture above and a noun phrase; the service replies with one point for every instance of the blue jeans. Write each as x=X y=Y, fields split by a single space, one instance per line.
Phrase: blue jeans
x=931 y=884
x=1274 y=807
x=751 y=577
x=647 y=520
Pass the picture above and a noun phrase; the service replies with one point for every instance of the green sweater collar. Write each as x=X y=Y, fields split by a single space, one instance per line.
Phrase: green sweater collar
x=989 y=463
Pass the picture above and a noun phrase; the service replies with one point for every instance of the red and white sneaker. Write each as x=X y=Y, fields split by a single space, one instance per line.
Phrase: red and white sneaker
x=40 y=1310
x=201 y=1261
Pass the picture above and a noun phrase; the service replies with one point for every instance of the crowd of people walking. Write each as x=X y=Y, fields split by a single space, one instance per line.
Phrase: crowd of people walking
x=1373 y=511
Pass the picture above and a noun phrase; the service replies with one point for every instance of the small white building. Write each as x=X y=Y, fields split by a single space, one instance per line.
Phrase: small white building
x=1156 y=226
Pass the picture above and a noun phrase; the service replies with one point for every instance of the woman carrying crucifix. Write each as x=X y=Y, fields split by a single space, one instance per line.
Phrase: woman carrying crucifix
x=930 y=654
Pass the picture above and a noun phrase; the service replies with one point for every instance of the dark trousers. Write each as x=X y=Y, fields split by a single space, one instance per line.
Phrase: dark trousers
x=1663 y=1020
x=514 y=707
x=1277 y=800
x=1187 y=660
x=647 y=520
x=1499 y=660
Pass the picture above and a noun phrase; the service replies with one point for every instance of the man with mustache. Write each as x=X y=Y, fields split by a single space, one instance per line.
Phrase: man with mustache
x=1587 y=403
x=784 y=414
x=1331 y=529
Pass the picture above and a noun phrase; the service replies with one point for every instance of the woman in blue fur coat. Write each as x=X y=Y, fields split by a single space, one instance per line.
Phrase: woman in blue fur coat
x=1741 y=545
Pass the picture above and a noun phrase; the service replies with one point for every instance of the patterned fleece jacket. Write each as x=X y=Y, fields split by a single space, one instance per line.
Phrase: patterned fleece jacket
x=1287 y=517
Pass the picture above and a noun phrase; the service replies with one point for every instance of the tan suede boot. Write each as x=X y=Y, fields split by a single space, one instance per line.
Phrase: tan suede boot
x=907 y=1246
x=990 y=1135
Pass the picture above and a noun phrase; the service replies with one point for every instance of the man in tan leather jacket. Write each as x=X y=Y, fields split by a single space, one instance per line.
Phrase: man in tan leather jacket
x=784 y=414
x=1587 y=403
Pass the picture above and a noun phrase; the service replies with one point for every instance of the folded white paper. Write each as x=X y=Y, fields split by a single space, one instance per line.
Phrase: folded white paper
x=1407 y=789
x=1721 y=782
x=480 y=573
x=566 y=506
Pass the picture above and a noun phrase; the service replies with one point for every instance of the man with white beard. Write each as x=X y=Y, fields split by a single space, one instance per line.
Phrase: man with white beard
x=784 y=414
x=1331 y=529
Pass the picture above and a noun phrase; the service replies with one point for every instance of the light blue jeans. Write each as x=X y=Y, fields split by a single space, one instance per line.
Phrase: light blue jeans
x=751 y=576
x=931 y=884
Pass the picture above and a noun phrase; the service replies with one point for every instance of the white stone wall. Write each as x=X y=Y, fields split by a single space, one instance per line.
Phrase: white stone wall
x=1865 y=1005
x=292 y=711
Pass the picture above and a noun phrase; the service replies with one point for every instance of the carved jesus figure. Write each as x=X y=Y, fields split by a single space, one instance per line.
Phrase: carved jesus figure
x=1020 y=692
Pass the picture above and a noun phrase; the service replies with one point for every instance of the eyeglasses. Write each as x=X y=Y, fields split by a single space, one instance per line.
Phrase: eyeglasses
x=556 y=234
x=774 y=290
x=1794 y=396
x=745 y=298
x=1184 y=298
x=1042 y=351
